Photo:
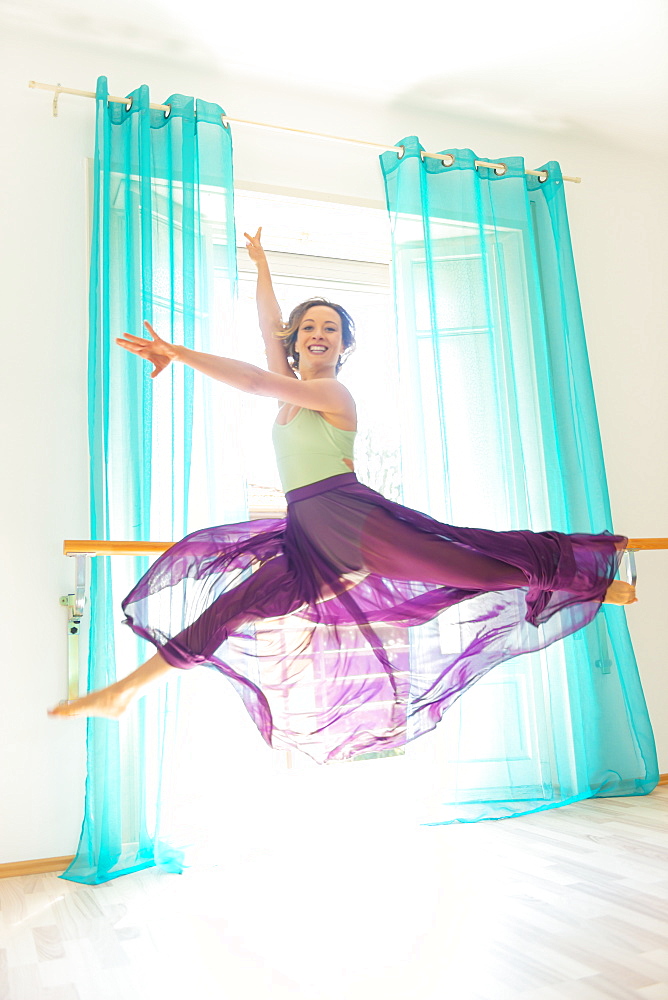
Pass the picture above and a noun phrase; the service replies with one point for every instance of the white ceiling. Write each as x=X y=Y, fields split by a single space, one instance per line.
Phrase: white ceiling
x=584 y=65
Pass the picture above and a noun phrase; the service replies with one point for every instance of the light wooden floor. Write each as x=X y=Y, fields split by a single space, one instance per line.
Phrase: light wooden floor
x=570 y=904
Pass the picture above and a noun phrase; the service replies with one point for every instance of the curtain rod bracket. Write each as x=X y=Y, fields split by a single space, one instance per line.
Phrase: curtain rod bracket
x=54 y=105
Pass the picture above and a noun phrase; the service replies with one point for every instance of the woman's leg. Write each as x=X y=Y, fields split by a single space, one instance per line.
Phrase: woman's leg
x=268 y=593
x=620 y=592
x=397 y=550
x=394 y=549
x=112 y=701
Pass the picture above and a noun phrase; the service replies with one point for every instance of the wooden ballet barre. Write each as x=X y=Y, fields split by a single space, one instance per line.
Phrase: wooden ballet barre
x=93 y=547
x=75 y=547
x=635 y=544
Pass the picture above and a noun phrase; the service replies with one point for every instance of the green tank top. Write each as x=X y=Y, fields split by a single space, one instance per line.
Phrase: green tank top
x=309 y=449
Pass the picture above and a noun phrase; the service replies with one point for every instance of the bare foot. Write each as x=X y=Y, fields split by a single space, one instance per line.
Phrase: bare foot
x=620 y=592
x=109 y=703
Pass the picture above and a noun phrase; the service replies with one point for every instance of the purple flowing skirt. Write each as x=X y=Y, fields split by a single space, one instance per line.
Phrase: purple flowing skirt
x=352 y=624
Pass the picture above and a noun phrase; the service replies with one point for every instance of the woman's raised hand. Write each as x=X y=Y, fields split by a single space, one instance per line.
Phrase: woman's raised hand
x=254 y=246
x=158 y=351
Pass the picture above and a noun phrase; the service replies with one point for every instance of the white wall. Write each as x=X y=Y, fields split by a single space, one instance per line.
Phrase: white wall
x=618 y=220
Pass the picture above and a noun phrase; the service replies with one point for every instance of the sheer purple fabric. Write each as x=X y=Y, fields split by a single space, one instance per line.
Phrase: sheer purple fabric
x=354 y=623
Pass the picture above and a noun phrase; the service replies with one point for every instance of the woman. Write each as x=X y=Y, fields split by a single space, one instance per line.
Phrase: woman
x=308 y=616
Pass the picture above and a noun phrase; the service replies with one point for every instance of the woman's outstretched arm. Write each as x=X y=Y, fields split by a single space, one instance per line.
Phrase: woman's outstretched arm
x=323 y=394
x=268 y=309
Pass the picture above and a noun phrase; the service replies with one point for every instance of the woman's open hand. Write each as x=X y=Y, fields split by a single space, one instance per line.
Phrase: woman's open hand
x=254 y=246
x=158 y=351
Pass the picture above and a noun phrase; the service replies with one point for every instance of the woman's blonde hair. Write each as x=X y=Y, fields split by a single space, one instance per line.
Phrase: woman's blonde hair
x=290 y=329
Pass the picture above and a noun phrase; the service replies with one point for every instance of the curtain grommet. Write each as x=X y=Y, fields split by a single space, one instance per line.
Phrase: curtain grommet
x=129 y=103
x=225 y=122
x=501 y=169
x=543 y=176
x=448 y=160
x=400 y=152
x=168 y=111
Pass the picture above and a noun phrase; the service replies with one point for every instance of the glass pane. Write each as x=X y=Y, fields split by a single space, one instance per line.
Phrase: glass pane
x=457 y=301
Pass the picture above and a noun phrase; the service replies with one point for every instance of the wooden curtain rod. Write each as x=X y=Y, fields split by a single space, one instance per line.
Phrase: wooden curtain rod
x=500 y=168
x=93 y=547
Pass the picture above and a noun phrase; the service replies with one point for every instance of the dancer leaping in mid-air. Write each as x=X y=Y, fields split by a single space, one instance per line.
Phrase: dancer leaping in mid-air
x=336 y=583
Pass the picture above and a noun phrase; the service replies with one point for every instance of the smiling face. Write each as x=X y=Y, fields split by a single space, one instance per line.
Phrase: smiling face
x=319 y=340
x=317 y=318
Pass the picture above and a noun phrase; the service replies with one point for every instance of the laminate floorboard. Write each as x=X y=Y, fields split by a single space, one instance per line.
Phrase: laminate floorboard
x=569 y=904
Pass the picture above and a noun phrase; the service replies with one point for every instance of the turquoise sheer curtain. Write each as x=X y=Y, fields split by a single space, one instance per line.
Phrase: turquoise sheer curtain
x=500 y=431
x=164 y=453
